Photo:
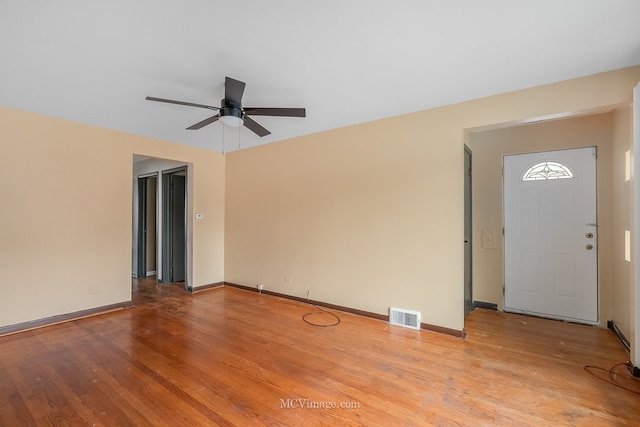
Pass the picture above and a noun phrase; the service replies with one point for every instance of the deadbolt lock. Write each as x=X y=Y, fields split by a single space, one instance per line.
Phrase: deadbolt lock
x=589 y=235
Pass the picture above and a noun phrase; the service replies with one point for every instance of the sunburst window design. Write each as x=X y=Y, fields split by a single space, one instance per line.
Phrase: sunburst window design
x=547 y=170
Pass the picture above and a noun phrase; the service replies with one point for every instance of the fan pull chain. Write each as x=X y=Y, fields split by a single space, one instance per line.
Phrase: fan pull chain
x=223 y=141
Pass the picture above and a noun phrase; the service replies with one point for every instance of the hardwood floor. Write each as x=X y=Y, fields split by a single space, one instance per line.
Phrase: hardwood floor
x=232 y=357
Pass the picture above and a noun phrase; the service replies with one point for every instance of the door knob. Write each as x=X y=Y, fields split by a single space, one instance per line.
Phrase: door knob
x=589 y=247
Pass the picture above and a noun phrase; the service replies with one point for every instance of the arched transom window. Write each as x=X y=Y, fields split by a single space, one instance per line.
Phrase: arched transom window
x=547 y=170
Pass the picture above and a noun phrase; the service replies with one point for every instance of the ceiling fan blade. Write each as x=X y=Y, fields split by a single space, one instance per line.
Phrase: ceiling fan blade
x=233 y=90
x=255 y=127
x=282 y=112
x=204 y=122
x=191 y=104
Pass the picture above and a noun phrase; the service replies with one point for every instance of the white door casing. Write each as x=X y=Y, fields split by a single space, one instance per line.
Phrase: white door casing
x=551 y=234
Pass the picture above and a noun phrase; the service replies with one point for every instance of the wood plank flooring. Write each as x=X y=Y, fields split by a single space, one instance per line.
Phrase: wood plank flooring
x=232 y=357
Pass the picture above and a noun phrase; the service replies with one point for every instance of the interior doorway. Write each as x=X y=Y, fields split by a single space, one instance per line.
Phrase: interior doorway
x=147 y=225
x=174 y=225
x=160 y=236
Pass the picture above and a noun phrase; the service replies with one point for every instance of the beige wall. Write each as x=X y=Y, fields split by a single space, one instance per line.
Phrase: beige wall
x=65 y=221
x=370 y=216
x=489 y=148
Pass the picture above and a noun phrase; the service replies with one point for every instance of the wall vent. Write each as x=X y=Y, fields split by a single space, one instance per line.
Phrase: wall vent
x=406 y=318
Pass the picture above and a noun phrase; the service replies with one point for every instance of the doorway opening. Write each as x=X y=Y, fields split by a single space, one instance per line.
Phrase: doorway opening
x=161 y=231
x=174 y=225
x=147 y=229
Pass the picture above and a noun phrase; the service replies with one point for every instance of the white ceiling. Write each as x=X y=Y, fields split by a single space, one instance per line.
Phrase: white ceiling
x=346 y=61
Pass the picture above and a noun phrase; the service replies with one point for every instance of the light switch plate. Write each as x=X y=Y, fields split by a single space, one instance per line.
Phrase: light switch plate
x=488 y=239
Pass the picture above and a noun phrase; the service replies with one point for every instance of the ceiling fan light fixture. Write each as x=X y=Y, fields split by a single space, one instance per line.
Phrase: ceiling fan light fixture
x=231 y=116
x=231 y=121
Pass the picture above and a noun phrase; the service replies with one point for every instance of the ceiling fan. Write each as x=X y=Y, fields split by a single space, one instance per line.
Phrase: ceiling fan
x=232 y=114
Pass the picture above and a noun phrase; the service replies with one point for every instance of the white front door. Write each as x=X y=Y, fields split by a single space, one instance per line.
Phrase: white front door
x=551 y=234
